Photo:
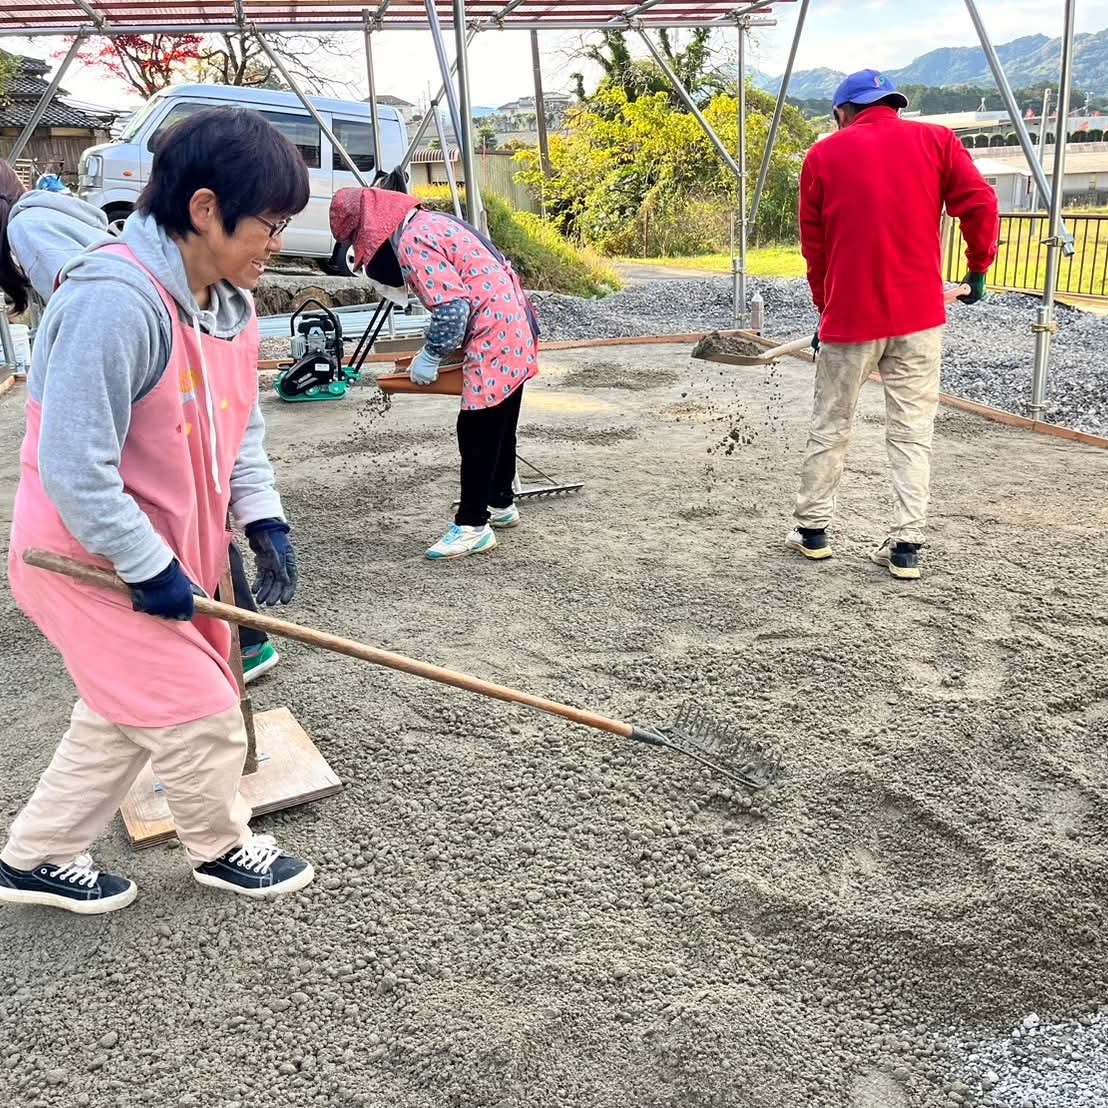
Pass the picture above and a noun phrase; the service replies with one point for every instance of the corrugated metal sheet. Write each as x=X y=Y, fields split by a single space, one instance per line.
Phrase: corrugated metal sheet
x=429 y=155
x=66 y=16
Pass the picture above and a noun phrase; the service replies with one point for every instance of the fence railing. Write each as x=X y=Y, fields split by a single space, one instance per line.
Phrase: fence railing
x=1021 y=262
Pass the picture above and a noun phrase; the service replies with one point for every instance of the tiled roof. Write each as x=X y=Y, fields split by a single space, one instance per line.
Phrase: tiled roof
x=18 y=112
x=25 y=92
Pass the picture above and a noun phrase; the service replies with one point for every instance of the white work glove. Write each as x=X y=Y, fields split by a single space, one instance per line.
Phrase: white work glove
x=424 y=369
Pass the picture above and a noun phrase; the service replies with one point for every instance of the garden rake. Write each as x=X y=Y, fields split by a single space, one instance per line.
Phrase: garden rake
x=693 y=733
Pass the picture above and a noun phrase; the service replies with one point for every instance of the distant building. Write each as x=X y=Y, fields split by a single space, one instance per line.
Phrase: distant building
x=1085 y=181
x=62 y=134
x=553 y=102
x=406 y=108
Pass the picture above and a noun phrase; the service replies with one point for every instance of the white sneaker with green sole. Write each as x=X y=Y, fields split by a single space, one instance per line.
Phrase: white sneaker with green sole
x=460 y=541
x=504 y=517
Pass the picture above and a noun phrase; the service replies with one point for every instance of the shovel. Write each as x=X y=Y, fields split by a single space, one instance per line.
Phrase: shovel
x=693 y=733
x=768 y=357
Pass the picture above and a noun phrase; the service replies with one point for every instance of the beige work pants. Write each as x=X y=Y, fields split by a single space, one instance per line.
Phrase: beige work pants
x=909 y=368
x=199 y=765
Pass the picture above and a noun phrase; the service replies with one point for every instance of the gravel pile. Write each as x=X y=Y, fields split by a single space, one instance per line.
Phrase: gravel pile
x=1039 y=1065
x=989 y=347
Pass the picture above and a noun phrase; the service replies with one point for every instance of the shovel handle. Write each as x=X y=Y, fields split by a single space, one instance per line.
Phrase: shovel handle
x=786 y=348
x=99 y=578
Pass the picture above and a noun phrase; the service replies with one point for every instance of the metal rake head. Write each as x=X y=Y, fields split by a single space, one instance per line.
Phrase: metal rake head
x=544 y=492
x=696 y=734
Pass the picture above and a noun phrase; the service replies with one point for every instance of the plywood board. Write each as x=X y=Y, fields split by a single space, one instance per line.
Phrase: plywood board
x=291 y=771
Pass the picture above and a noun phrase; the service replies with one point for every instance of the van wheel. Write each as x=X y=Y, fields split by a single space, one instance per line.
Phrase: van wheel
x=342 y=262
x=117 y=215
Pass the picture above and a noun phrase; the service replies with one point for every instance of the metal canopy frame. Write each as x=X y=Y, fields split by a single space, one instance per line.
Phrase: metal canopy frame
x=83 y=19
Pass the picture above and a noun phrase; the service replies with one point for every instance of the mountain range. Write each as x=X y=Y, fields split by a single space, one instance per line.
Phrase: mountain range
x=1031 y=60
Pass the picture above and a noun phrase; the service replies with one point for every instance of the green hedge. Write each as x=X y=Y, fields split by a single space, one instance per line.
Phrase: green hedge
x=542 y=257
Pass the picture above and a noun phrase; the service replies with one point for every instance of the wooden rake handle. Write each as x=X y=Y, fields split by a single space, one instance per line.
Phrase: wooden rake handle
x=100 y=578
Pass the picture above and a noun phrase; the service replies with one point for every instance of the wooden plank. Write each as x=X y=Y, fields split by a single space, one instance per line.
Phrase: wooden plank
x=9 y=383
x=291 y=771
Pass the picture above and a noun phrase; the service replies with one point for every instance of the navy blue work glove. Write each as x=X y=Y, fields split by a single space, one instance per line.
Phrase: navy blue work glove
x=169 y=595
x=274 y=561
x=977 y=290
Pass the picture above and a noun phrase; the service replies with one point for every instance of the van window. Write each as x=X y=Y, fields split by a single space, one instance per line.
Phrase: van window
x=138 y=118
x=175 y=114
x=301 y=130
x=357 y=136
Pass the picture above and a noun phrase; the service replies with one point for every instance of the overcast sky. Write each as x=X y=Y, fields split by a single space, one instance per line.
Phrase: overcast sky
x=839 y=34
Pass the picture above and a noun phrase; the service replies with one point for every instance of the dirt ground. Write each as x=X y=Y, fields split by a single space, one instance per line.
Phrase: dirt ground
x=511 y=910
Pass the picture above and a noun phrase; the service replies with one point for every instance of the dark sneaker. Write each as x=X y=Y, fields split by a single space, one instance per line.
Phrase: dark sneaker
x=812 y=542
x=900 y=558
x=257 y=868
x=257 y=660
x=76 y=887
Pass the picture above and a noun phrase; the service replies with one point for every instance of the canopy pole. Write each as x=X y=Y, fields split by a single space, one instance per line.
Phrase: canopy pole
x=689 y=103
x=778 y=112
x=474 y=208
x=451 y=180
x=28 y=131
x=445 y=70
x=1015 y=115
x=425 y=122
x=309 y=107
x=371 y=79
x=738 y=265
x=540 y=106
x=1045 y=325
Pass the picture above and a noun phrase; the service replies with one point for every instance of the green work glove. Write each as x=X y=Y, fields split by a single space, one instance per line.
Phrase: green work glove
x=978 y=292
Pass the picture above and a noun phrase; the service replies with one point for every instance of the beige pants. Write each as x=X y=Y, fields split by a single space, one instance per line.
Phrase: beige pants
x=909 y=367
x=199 y=765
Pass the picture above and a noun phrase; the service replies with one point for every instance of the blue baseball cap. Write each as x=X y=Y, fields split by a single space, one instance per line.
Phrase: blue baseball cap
x=867 y=87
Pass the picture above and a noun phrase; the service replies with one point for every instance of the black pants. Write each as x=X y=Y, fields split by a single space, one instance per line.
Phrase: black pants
x=244 y=598
x=487 y=443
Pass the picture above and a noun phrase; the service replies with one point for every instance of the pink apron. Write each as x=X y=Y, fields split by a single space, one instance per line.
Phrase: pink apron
x=134 y=669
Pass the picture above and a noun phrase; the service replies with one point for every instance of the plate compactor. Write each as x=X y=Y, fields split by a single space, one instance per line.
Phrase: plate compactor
x=318 y=371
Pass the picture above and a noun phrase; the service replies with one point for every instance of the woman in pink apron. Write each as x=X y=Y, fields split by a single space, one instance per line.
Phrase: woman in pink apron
x=143 y=434
x=478 y=306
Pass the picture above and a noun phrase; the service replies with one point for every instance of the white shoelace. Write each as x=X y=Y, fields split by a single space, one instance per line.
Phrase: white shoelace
x=79 y=871
x=258 y=854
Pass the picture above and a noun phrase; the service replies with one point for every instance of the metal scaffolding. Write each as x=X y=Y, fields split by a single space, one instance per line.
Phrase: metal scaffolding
x=83 y=19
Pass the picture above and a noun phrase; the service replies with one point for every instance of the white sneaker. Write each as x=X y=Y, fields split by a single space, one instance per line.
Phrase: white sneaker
x=460 y=541
x=504 y=517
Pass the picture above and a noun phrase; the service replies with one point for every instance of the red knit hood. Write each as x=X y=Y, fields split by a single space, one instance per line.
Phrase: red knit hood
x=367 y=218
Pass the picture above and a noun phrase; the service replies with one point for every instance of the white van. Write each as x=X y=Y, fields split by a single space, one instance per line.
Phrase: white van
x=112 y=175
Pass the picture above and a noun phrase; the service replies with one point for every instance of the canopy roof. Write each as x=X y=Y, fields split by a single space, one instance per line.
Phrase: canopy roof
x=67 y=17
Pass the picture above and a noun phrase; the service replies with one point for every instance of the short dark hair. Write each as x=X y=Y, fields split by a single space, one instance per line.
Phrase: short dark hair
x=13 y=280
x=249 y=165
x=893 y=100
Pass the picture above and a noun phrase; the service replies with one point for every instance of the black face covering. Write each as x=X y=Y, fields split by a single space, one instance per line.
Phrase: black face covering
x=384 y=268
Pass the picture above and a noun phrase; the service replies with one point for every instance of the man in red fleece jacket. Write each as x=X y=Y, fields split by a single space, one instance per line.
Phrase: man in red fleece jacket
x=871 y=199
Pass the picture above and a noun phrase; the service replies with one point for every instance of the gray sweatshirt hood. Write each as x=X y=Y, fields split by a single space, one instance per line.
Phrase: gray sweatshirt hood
x=231 y=307
x=65 y=211
x=46 y=230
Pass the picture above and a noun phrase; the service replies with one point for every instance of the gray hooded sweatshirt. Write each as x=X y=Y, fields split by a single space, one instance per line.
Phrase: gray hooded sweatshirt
x=102 y=346
x=46 y=230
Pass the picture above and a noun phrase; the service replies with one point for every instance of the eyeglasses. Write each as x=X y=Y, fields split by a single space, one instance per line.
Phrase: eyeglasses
x=276 y=230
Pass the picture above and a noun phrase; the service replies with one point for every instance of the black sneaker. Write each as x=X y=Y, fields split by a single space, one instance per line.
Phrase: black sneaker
x=76 y=887
x=810 y=541
x=900 y=558
x=257 y=868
